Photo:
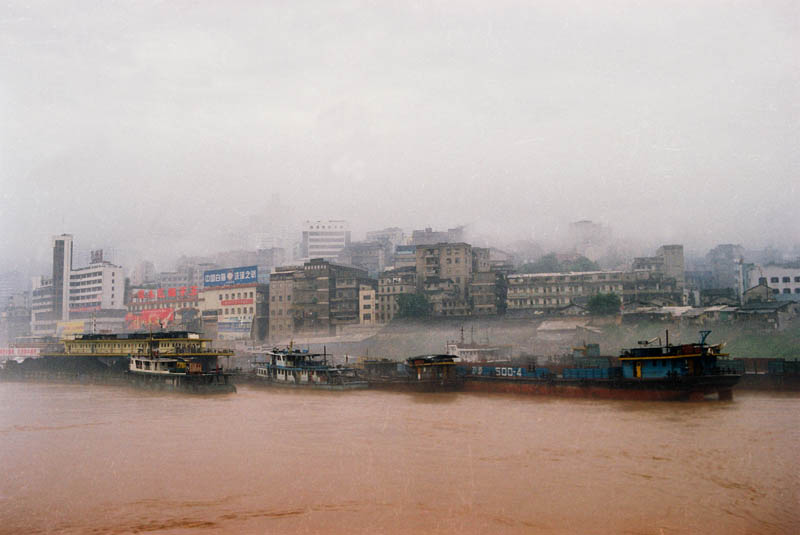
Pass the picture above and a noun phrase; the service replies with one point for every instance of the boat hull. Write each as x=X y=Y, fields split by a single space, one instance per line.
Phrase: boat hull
x=350 y=385
x=414 y=385
x=682 y=389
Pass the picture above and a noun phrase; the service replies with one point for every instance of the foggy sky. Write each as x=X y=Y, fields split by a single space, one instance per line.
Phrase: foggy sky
x=164 y=127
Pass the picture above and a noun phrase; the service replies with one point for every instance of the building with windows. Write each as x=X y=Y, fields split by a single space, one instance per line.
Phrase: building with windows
x=545 y=293
x=370 y=256
x=324 y=239
x=783 y=280
x=43 y=318
x=393 y=283
x=366 y=304
x=99 y=286
x=281 y=290
x=62 y=266
x=324 y=297
x=240 y=301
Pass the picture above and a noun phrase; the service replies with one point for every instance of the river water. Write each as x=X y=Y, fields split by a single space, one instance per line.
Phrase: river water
x=80 y=459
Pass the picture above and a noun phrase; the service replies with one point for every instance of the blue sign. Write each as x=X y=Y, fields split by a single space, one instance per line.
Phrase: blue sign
x=224 y=277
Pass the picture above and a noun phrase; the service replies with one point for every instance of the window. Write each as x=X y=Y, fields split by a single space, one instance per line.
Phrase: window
x=773 y=279
x=774 y=290
x=787 y=291
x=797 y=290
x=787 y=279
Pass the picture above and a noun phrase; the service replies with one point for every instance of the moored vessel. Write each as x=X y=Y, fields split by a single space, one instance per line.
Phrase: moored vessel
x=169 y=360
x=295 y=368
x=424 y=373
x=648 y=372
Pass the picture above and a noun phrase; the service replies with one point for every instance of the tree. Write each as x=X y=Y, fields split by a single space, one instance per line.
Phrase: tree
x=413 y=306
x=549 y=264
x=546 y=264
x=604 y=304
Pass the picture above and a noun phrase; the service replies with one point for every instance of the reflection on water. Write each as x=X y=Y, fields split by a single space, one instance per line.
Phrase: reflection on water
x=79 y=459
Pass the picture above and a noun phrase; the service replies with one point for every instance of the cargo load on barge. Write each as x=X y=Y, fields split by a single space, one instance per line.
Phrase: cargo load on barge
x=648 y=372
x=425 y=373
x=166 y=360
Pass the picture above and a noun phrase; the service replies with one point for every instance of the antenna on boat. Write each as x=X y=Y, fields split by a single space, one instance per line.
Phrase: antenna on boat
x=703 y=336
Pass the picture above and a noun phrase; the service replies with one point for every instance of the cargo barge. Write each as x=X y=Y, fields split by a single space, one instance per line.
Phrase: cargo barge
x=425 y=373
x=649 y=372
x=169 y=360
x=294 y=368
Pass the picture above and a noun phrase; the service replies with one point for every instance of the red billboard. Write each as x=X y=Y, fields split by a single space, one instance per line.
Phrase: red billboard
x=157 y=317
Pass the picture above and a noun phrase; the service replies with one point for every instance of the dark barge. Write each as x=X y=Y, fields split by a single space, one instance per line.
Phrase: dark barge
x=649 y=372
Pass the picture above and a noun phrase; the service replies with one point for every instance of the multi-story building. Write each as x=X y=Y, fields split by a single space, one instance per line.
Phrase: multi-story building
x=370 y=256
x=391 y=284
x=144 y=274
x=488 y=293
x=429 y=236
x=99 y=286
x=15 y=318
x=367 y=305
x=240 y=301
x=404 y=256
x=315 y=299
x=724 y=261
x=542 y=293
x=445 y=261
x=62 y=266
x=784 y=281
x=281 y=290
x=668 y=260
x=389 y=238
x=43 y=318
x=324 y=239
x=162 y=306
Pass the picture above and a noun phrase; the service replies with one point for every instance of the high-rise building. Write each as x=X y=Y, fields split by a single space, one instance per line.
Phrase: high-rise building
x=324 y=239
x=62 y=266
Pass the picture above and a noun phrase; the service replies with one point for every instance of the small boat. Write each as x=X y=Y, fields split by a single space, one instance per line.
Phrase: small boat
x=424 y=373
x=178 y=373
x=294 y=368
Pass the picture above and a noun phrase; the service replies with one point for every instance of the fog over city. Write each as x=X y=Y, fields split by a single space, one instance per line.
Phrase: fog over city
x=167 y=128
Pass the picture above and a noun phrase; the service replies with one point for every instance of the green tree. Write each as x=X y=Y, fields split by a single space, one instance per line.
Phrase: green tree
x=413 y=306
x=604 y=304
x=580 y=264
x=546 y=264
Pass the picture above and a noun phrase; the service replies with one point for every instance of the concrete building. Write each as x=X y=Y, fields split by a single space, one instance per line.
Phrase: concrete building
x=43 y=317
x=391 y=284
x=99 y=286
x=783 y=280
x=724 y=261
x=546 y=293
x=324 y=239
x=404 y=256
x=429 y=236
x=488 y=293
x=62 y=266
x=15 y=318
x=324 y=297
x=451 y=261
x=143 y=274
x=668 y=261
x=389 y=238
x=281 y=291
x=367 y=298
x=370 y=256
x=239 y=300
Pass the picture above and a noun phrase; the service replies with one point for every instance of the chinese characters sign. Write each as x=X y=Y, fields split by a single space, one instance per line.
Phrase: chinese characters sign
x=223 y=277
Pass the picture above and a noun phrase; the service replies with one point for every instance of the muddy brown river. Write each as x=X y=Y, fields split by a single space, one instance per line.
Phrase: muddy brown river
x=112 y=460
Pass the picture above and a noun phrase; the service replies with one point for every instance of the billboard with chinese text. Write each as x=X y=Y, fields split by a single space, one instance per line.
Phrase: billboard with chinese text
x=223 y=277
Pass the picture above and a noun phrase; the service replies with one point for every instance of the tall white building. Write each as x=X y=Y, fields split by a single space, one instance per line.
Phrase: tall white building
x=43 y=321
x=99 y=286
x=324 y=239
